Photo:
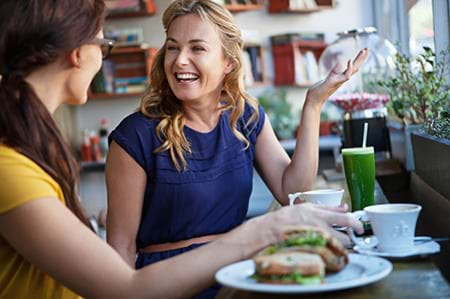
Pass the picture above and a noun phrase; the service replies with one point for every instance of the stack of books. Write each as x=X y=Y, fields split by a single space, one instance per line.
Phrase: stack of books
x=122 y=74
x=123 y=6
x=295 y=57
x=252 y=64
x=302 y=4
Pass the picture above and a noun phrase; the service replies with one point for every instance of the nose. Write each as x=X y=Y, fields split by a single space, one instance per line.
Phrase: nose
x=182 y=58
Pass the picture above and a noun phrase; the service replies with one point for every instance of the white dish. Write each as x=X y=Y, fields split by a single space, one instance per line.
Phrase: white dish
x=427 y=248
x=361 y=270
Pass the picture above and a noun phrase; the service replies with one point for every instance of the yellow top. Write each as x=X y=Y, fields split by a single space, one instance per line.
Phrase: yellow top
x=21 y=181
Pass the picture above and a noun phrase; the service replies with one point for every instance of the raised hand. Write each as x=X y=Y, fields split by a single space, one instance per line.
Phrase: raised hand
x=322 y=90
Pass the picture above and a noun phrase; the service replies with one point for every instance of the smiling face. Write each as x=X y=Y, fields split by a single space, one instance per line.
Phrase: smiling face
x=194 y=61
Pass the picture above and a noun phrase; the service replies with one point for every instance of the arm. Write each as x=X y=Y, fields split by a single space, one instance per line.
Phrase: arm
x=282 y=175
x=125 y=181
x=48 y=235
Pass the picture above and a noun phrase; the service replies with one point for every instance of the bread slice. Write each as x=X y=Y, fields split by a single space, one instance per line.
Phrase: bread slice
x=334 y=254
x=333 y=261
x=289 y=262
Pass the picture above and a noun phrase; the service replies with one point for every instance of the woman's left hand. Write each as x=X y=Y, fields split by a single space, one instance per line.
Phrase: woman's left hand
x=322 y=90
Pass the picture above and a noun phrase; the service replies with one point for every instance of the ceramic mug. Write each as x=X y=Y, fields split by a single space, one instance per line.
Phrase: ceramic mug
x=394 y=226
x=327 y=197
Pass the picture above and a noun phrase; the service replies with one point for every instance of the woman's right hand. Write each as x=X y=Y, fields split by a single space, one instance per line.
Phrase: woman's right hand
x=312 y=215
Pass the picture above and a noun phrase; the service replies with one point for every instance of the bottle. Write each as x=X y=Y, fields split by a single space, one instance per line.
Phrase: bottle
x=86 y=148
x=95 y=142
x=103 y=134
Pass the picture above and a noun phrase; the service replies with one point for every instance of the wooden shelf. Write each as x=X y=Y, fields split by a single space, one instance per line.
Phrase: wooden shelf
x=244 y=7
x=282 y=6
x=142 y=55
x=298 y=11
x=289 y=62
x=147 y=9
x=106 y=96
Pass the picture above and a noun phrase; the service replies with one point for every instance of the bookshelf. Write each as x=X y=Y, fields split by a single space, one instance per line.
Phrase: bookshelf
x=236 y=6
x=253 y=63
x=124 y=74
x=295 y=62
x=243 y=7
x=140 y=8
x=301 y=7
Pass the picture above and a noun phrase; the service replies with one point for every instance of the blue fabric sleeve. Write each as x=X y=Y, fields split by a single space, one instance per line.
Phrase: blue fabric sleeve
x=253 y=129
x=135 y=135
x=262 y=117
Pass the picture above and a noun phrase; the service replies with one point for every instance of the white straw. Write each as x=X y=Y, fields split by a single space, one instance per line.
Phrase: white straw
x=366 y=127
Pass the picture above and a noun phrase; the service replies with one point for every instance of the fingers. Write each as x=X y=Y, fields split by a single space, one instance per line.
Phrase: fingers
x=337 y=69
x=360 y=58
x=353 y=66
x=340 y=209
x=349 y=71
x=342 y=219
x=343 y=238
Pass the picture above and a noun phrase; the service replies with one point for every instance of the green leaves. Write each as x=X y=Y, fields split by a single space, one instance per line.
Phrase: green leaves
x=419 y=92
x=279 y=111
x=311 y=238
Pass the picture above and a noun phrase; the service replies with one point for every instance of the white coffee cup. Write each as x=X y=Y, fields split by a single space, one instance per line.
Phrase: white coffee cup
x=328 y=197
x=394 y=226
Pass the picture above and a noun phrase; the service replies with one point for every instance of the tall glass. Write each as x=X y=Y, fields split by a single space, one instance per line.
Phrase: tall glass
x=359 y=167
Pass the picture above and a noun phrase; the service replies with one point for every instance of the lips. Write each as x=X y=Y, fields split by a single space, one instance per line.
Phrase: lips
x=185 y=77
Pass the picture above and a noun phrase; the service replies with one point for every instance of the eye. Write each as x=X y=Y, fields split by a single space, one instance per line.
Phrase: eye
x=198 y=49
x=171 y=48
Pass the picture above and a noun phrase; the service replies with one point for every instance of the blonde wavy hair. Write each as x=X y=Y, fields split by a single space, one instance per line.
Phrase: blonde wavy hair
x=159 y=102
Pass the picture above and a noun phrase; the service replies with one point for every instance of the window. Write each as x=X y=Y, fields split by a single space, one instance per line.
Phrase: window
x=412 y=24
x=420 y=20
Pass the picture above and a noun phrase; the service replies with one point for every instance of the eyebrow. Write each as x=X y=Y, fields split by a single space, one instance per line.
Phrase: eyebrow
x=192 y=41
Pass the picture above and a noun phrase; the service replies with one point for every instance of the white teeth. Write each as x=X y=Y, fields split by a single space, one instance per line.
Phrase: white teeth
x=186 y=76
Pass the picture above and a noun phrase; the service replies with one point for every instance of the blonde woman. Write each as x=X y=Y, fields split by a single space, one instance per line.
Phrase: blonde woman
x=179 y=171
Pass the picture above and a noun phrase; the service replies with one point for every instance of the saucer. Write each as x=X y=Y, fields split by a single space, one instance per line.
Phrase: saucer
x=418 y=249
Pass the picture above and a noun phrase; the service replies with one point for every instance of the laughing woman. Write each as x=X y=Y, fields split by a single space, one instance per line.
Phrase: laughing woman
x=179 y=171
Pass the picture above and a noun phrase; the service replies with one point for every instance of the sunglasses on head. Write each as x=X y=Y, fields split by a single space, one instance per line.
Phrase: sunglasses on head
x=106 y=45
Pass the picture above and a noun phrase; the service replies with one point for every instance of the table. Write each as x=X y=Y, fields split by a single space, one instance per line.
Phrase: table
x=418 y=278
x=410 y=279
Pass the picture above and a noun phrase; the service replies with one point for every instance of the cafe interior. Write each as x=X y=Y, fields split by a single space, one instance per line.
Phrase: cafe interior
x=384 y=145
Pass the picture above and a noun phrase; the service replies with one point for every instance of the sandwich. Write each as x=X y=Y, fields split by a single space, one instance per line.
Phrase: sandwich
x=289 y=268
x=313 y=240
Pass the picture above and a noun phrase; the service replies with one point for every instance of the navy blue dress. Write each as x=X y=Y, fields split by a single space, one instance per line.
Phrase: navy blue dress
x=210 y=197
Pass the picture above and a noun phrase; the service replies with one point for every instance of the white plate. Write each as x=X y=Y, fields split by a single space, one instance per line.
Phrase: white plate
x=429 y=247
x=361 y=270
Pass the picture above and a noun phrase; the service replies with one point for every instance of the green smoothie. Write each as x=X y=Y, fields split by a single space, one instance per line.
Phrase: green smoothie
x=359 y=166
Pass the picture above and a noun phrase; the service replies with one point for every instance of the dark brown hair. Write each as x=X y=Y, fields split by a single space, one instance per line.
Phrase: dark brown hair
x=33 y=34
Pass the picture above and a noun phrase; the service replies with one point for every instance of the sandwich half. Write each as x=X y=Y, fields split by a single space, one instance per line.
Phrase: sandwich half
x=313 y=240
x=289 y=268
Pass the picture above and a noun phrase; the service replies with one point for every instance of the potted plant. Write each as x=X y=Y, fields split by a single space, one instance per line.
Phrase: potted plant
x=432 y=153
x=419 y=95
x=279 y=111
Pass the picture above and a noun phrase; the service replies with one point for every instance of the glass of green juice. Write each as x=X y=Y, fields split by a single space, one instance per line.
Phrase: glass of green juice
x=359 y=168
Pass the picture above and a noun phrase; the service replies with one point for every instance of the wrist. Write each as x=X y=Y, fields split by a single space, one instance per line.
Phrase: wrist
x=261 y=230
x=311 y=105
